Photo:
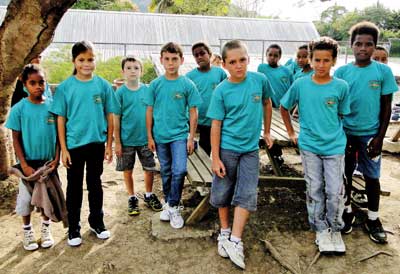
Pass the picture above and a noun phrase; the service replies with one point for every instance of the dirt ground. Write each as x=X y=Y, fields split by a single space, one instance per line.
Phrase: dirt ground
x=281 y=218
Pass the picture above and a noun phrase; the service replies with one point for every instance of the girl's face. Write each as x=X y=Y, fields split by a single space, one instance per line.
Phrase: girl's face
x=85 y=63
x=132 y=71
x=380 y=56
x=322 y=61
x=273 y=57
x=302 y=57
x=35 y=84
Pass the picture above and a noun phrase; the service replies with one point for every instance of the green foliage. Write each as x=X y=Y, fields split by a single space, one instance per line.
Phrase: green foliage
x=115 y=5
x=149 y=73
x=200 y=7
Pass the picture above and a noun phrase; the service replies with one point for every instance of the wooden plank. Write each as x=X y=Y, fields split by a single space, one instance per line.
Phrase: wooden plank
x=276 y=115
x=396 y=136
x=359 y=186
x=202 y=170
x=204 y=158
x=200 y=211
x=274 y=163
x=192 y=174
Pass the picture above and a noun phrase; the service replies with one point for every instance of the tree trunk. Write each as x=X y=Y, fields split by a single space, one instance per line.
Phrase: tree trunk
x=26 y=31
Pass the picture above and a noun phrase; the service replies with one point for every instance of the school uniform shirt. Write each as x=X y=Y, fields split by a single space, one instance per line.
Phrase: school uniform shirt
x=321 y=128
x=292 y=66
x=240 y=108
x=206 y=82
x=85 y=105
x=301 y=74
x=171 y=100
x=38 y=128
x=132 y=111
x=367 y=85
x=280 y=79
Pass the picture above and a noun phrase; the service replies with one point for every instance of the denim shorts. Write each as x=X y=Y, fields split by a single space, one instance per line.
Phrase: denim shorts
x=127 y=161
x=239 y=186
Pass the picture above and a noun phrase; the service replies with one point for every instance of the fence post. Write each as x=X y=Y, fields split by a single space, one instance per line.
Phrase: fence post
x=262 y=52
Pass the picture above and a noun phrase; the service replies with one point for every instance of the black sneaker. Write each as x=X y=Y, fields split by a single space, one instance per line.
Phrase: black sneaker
x=153 y=202
x=133 y=206
x=74 y=238
x=348 y=219
x=375 y=231
x=101 y=232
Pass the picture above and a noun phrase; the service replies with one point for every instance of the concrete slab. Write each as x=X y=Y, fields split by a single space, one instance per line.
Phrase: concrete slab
x=390 y=146
x=163 y=231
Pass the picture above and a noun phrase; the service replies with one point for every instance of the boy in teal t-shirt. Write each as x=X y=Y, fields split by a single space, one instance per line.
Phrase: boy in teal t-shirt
x=168 y=100
x=206 y=78
x=237 y=108
x=371 y=87
x=321 y=100
x=35 y=143
x=131 y=137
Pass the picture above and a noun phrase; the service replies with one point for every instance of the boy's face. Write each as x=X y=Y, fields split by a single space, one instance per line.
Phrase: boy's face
x=380 y=56
x=322 y=62
x=171 y=62
x=273 y=57
x=202 y=57
x=35 y=84
x=132 y=71
x=302 y=57
x=363 y=47
x=235 y=63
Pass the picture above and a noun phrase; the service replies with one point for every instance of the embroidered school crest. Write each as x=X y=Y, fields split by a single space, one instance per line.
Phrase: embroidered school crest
x=374 y=84
x=256 y=97
x=178 y=95
x=330 y=102
x=97 y=99
x=50 y=119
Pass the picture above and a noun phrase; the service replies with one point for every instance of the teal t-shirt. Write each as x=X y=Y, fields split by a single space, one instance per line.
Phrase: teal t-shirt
x=85 y=106
x=367 y=85
x=292 y=66
x=38 y=129
x=280 y=79
x=240 y=108
x=171 y=100
x=206 y=82
x=133 y=115
x=301 y=74
x=320 y=108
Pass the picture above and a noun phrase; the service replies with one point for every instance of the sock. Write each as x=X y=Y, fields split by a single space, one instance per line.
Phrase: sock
x=348 y=208
x=373 y=215
x=226 y=231
x=148 y=194
x=47 y=223
x=133 y=196
x=235 y=239
x=27 y=227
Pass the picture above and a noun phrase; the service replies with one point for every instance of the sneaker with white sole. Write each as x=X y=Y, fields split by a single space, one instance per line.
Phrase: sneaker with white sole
x=29 y=242
x=221 y=251
x=235 y=252
x=324 y=242
x=164 y=215
x=74 y=238
x=175 y=217
x=46 y=239
x=340 y=247
x=101 y=232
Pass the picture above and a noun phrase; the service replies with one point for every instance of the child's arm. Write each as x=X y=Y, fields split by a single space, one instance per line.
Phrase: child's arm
x=117 y=135
x=218 y=166
x=17 y=137
x=55 y=162
x=110 y=128
x=267 y=105
x=65 y=157
x=375 y=146
x=149 y=127
x=288 y=123
x=192 y=130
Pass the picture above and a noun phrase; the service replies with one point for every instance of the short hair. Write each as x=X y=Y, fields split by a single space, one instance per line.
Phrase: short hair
x=202 y=44
x=364 y=27
x=131 y=59
x=30 y=69
x=304 y=46
x=274 y=46
x=233 y=44
x=172 y=47
x=324 y=43
x=382 y=48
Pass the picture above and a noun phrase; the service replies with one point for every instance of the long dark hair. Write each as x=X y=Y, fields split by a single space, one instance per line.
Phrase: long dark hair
x=80 y=47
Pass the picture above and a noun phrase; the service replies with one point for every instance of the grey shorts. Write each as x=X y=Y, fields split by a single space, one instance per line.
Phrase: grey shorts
x=23 y=207
x=239 y=186
x=127 y=161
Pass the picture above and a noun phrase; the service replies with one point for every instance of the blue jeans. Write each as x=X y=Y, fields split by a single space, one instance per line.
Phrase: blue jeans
x=325 y=190
x=173 y=169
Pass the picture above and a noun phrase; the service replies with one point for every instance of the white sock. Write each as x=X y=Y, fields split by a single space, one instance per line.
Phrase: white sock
x=373 y=215
x=27 y=227
x=235 y=239
x=148 y=194
x=348 y=208
x=226 y=231
x=46 y=222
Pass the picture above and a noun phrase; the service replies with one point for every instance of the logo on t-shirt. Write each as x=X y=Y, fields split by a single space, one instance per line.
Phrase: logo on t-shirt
x=374 y=84
x=97 y=99
x=178 y=95
x=50 y=119
x=330 y=101
x=284 y=79
x=256 y=97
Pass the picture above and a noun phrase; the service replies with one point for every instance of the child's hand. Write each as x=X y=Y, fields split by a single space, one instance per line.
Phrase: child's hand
x=374 y=147
x=293 y=138
x=151 y=145
x=66 y=159
x=268 y=140
x=118 y=149
x=28 y=171
x=218 y=168
x=54 y=164
x=190 y=146
x=108 y=156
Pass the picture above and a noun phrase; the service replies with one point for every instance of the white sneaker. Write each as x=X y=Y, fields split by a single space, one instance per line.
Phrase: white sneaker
x=164 y=215
x=176 y=220
x=101 y=232
x=29 y=240
x=74 y=238
x=338 y=243
x=324 y=241
x=235 y=252
x=221 y=251
x=46 y=240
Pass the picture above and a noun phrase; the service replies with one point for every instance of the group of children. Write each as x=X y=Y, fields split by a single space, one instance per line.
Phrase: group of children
x=340 y=117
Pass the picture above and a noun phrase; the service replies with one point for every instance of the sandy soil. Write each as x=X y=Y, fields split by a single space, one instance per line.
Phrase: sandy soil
x=281 y=219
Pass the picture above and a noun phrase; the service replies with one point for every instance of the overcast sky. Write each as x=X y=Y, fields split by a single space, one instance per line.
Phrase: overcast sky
x=287 y=9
